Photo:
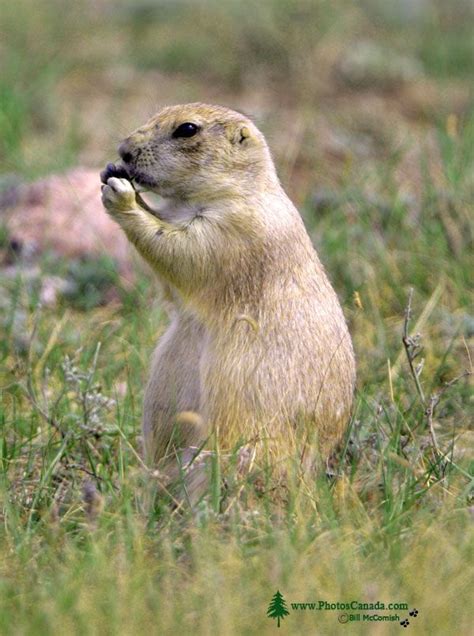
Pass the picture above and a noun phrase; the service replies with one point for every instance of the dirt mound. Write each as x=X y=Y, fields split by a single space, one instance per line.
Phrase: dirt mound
x=63 y=214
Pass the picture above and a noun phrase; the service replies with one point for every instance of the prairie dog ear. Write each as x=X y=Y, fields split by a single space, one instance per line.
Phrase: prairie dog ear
x=239 y=134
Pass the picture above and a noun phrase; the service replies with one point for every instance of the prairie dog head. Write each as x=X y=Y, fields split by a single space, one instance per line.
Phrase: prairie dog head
x=197 y=152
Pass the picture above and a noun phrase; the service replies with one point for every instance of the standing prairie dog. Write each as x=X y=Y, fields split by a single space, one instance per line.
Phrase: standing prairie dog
x=257 y=351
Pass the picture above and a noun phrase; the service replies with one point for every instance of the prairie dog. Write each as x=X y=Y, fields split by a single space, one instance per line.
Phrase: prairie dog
x=257 y=349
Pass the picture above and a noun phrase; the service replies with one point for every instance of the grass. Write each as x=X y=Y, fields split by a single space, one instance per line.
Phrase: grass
x=82 y=551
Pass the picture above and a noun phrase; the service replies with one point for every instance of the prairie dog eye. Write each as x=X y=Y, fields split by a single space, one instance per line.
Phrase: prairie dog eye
x=187 y=129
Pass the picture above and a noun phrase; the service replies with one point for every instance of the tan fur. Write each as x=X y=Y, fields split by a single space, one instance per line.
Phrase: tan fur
x=257 y=346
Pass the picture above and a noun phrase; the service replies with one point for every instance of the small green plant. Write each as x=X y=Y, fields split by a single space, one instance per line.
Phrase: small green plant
x=90 y=281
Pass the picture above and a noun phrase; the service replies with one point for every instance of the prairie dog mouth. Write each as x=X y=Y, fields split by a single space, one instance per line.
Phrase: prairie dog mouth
x=146 y=196
x=140 y=180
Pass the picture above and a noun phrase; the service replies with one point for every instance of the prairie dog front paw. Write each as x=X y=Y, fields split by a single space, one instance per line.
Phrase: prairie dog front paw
x=118 y=195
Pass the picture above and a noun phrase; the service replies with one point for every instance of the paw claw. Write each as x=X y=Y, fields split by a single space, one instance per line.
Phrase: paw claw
x=118 y=195
x=121 y=186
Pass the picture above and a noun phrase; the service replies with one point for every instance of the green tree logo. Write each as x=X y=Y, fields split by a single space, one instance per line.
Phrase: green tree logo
x=277 y=608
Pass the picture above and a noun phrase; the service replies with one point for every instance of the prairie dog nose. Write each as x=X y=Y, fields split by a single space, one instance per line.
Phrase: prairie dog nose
x=125 y=151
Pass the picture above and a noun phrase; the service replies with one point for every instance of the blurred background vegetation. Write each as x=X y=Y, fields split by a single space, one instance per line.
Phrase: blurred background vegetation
x=368 y=109
x=74 y=77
